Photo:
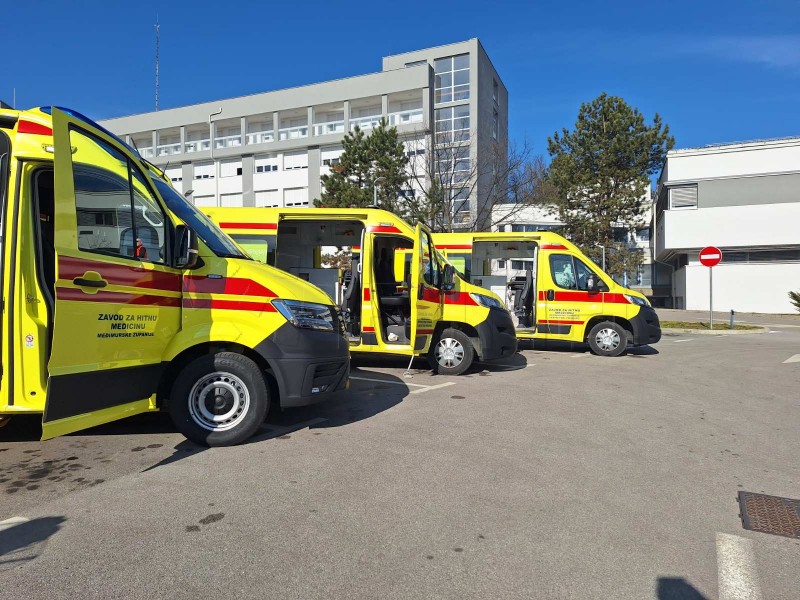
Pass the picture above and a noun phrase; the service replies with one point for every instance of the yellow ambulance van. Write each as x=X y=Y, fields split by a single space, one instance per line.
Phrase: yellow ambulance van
x=398 y=296
x=554 y=291
x=120 y=298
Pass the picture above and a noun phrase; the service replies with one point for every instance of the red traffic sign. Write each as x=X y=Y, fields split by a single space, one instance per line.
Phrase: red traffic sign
x=710 y=256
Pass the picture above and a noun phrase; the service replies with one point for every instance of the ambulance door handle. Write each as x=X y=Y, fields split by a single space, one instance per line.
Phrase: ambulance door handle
x=95 y=283
x=551 y=295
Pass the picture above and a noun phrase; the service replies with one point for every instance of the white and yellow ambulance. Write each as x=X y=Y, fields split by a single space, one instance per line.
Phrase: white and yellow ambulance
x=554 y=290
x=120 y=298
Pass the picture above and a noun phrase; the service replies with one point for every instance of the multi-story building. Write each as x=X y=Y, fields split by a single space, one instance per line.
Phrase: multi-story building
x=270 y=149
x=743 y=198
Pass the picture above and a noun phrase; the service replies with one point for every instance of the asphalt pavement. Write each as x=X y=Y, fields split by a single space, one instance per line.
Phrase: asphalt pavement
x=556 y=474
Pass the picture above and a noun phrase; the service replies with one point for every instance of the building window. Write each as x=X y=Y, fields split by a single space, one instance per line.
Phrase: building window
x=495 y=124
x=452 y=78
x=265 y=164
x=418 y=152
x=295 y=160
x=329 y=162
x=453 y=166
x=416 y=63
x=230 y=168
x=683 y=197
x=495 y=91
x=452 y=124
x=204 y=171
x=268 y=198
x=521 y=265
x=231 y=200
x=295 y=197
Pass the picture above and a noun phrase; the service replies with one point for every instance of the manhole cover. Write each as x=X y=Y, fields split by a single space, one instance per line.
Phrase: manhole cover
x=770 y=514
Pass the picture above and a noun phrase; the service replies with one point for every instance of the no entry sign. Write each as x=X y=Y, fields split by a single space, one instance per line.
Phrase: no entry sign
x=710 y=256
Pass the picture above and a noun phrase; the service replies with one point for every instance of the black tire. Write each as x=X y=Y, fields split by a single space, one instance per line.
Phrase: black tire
x=462 y=357
x=608 y=339
x=240 y=394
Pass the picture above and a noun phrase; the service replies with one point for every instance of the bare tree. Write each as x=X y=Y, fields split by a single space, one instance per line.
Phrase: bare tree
x=444 y=175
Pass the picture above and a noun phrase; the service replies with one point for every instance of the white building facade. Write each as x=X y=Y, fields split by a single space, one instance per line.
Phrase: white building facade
x=270 y=149
x=743 y=198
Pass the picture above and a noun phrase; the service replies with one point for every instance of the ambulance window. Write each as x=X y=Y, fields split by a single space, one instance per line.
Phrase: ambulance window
x=429 y=270
x=150 y=233
x=116 y=214
x=563 y=271
x=259 y=247
x=462 y=262
x=582 y=272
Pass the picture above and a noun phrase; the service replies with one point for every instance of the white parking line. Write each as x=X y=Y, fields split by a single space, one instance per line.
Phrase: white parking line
x=433 y=387
x=387 y=381
x=736 y=569
x=679 y=341
x=9 y=523
x=792 y=359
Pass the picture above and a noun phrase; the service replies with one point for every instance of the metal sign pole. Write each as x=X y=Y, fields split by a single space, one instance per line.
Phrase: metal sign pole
x=710 y=298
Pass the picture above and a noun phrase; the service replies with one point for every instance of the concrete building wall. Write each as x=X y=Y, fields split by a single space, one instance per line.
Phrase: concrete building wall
x=747 y=204
x=740 y=287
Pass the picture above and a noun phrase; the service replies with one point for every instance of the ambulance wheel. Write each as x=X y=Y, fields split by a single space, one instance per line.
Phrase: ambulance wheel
x=219 y=399
x=608 y=339
x=452 y=353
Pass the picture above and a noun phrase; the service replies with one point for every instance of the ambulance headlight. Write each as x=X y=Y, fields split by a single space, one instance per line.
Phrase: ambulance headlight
x=487 y=301
x=306 y=315
x=636 y=300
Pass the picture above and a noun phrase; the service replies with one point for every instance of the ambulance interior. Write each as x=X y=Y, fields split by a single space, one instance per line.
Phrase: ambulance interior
x=300 y=246
x=492 y=268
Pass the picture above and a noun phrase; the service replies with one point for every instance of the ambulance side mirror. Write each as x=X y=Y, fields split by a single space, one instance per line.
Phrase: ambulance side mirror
x=595 y=284
x=185 y=255
x=448 y=277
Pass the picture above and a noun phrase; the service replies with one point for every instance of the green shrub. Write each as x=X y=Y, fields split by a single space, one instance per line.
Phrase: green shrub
x=794 y=298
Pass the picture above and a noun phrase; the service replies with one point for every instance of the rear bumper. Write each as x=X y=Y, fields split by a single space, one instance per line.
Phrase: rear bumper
x=497 y=336
x=308 y=365
x=646 y=327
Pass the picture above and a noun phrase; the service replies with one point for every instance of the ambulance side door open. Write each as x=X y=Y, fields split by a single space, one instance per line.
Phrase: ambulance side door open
x=117 y=297
x=426 y=298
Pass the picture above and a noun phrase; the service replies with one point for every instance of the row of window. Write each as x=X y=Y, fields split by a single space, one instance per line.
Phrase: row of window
x=451 y=79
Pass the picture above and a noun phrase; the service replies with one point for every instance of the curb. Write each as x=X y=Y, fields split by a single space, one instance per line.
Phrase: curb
x=668 y=330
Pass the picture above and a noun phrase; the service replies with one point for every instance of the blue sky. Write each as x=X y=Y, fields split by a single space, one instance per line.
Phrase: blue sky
x=715 y=71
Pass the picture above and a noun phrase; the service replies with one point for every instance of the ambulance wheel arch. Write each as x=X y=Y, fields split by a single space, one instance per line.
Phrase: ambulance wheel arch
x=219 y=398
x=454 y=348
x=608 y=336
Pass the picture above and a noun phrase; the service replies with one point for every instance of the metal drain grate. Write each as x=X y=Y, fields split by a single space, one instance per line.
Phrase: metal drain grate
x=770 y=514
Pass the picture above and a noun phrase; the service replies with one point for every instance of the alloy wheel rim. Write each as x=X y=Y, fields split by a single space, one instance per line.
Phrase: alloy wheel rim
x=449 y=352
x=219 y=401
x=607 y=339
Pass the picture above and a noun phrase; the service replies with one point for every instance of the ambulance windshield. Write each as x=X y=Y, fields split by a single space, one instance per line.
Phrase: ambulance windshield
x=219 y=243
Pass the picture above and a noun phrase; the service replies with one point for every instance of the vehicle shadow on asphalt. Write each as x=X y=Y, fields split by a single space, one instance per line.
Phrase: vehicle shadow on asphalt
x=18 y=543
x=514 y=362
x=558 y=346
x=362 y=401
x=677 y=588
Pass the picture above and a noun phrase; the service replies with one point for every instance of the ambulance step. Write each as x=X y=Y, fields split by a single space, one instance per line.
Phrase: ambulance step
x=354 y=339
x=526 y=329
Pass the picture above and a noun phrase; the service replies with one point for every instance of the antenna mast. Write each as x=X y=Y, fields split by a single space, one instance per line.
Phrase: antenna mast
x=157 y=28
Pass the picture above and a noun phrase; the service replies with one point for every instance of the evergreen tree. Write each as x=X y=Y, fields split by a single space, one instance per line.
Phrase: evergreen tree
x=601 y=171
x=366 y=161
